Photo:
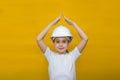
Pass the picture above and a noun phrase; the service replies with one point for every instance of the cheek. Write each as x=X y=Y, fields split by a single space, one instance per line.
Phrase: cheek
x=66 y=44
x=55 y=45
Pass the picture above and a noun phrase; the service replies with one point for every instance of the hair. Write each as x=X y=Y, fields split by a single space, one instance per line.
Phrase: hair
x=68 y=38
x=67 y=51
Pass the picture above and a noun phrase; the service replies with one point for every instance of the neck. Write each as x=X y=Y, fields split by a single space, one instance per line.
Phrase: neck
x=62 y=53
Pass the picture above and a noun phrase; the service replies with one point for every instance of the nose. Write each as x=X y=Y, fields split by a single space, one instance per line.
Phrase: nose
x=61 y=44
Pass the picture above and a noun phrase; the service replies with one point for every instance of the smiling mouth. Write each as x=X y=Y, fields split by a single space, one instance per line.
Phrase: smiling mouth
x=60 y=48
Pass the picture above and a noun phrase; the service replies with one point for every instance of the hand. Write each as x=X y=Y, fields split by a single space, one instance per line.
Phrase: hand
x=55 y=21
x=68 y=20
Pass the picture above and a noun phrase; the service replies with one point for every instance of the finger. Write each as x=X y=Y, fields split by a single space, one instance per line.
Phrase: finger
x=66 y=18
x=58 y=18
x=62 y=15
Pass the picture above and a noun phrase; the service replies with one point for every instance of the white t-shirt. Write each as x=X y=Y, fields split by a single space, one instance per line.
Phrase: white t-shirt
x=62 y=66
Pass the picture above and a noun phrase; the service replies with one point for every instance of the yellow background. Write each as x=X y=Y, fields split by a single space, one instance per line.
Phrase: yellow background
x=22 y=20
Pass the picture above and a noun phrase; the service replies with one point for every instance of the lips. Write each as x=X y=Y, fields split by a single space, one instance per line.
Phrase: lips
x=60 y=48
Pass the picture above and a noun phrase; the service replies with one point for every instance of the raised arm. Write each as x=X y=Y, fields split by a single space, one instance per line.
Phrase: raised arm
x=41 y=35
x=82 y=35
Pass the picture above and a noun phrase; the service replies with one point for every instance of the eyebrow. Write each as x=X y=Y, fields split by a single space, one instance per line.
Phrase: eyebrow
x=62 y=40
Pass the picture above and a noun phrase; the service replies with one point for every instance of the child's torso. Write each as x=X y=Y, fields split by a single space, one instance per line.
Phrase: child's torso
x=62 y=67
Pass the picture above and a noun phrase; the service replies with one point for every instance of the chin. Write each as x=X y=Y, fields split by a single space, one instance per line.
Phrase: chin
x=61 y=51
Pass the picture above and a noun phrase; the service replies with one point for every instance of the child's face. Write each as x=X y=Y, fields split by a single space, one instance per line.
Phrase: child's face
x=61 y=44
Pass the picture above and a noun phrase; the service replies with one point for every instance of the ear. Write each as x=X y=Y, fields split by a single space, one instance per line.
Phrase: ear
x=68 y=42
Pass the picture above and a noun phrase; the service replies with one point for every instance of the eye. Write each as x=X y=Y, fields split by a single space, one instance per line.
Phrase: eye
x=57 y=41
x=64 y=41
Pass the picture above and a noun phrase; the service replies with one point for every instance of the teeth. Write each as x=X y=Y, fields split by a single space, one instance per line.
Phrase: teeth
x=60 y=48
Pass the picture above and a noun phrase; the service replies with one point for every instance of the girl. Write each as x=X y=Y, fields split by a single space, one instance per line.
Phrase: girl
x=62 y=62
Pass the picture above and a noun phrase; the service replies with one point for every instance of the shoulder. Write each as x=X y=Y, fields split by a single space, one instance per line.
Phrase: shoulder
x=48 y=50
x=49 y=53
x=75 y=50
x=75 y=53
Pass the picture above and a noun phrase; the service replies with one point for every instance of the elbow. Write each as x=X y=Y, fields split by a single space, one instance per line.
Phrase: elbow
x=37 y=39
x=86 y=38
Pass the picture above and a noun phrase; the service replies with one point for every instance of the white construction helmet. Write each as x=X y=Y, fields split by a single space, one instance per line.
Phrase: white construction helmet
x=61 y=31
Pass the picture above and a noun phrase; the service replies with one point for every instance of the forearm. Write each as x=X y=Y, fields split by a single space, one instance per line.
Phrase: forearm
x=43 y=33
x=82 y=35
x=78 y=29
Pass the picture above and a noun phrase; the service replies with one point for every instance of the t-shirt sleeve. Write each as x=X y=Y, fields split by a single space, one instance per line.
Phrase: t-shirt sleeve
x=75 y=53
x=48 y=53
